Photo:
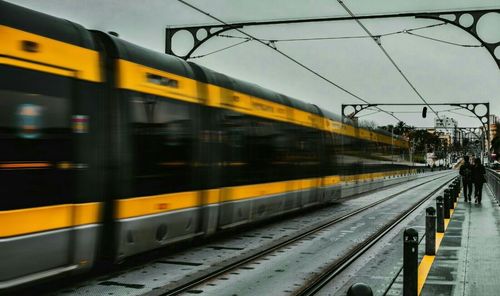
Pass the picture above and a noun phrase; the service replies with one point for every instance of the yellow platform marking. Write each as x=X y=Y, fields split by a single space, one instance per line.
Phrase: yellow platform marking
x=425 y=265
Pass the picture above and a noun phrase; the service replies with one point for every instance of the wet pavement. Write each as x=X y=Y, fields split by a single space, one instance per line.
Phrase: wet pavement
x=468 y=261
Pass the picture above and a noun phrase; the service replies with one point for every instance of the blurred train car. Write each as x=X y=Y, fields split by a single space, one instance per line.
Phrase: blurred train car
x=108 y=149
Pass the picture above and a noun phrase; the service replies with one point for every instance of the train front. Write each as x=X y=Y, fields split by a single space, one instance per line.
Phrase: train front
x=49 y=77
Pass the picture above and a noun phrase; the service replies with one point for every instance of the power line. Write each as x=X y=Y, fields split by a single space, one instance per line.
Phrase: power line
x=285 y=55
x=375 y=112
x=418 y=112
x=273 y=41
x=219 y=50
x=336 y=37
x=463 y=114
x=387 y=55
x=444 y=41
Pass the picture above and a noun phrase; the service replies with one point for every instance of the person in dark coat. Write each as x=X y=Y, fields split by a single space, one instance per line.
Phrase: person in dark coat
x=478 y=178
x=466 y=173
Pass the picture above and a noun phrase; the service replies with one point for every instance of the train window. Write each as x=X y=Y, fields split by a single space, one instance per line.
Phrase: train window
x=306 y=151
x=35 y=148
x=162 y=145
x=269 y=146
x=236 y=153
x=256 y=150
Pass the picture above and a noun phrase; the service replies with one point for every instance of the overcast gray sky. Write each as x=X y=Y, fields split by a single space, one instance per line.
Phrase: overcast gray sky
x=441 y=72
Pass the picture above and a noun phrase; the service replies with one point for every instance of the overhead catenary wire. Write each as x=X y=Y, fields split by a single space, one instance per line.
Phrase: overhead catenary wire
x=375 y=112
x=219 y=50
x=285 y=55
x=471 y=116
x=444 y=41
x=338 y=37
x=406 y=31
x=387 y=55
x=418 y=112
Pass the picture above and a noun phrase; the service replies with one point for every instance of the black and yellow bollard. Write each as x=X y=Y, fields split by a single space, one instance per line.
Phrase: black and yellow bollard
x=430 y=231
x=440 y=214
x=446 y=201
x=410 y=262
x=360 y=289
x=450 y=196
x=456 y=191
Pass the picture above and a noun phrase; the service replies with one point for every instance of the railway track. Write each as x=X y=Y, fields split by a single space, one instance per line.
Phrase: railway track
x=315 y=285
x=318 y=282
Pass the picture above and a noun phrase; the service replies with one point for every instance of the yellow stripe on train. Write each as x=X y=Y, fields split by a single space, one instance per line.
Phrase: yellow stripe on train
x=133 y=76
x=51 y=56
x=23 y=221
x=31 y=220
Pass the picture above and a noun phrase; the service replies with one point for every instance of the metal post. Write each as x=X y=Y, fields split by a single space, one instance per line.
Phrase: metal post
x=459 y=187
x=450 y=198
x=430 y=231
x=410 y=262
x=446 y=205
x=440 y=214
x=360 y=289
x=453 y=197
x=452 y=192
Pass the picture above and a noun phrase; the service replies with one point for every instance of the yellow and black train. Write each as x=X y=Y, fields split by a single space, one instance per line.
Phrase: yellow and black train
x=108 y=149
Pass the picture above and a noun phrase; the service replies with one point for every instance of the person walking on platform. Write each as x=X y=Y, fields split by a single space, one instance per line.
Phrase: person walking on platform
x=478 y=178
x=466 y=173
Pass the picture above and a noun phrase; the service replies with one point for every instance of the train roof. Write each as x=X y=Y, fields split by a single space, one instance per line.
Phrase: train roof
x=213 y=77
x=168 y=63
x=147 y=57
x=15 y=16
x=150 y=58
x=333 y=116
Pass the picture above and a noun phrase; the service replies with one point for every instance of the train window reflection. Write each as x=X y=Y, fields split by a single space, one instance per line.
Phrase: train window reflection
x=35 y=136
x=30 y=115
x=162 y=138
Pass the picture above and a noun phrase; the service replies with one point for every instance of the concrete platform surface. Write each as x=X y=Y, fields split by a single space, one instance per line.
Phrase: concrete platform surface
x=468 y=260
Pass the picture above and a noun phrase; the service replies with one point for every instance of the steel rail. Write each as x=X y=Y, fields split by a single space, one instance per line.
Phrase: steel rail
x=336 y=268
x=255 y=256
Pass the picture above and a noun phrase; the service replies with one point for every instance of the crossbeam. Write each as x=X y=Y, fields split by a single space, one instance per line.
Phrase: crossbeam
x=203 y=33
x=351 y=110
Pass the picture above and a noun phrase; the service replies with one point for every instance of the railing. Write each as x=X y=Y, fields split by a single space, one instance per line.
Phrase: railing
x=493 y=180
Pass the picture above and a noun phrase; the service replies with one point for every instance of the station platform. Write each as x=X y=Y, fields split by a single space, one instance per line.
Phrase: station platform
x=468 y=259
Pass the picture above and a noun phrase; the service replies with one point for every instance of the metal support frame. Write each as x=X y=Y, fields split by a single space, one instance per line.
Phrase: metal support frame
x=471 y=107
x=202 y=34
x=454 y=19
x=196 y=32
x=450 y=17
x=478 y=133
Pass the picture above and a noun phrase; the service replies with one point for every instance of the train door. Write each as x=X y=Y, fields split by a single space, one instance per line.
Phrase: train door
x=208 y=154
x=158 y=196
x=38 y=175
